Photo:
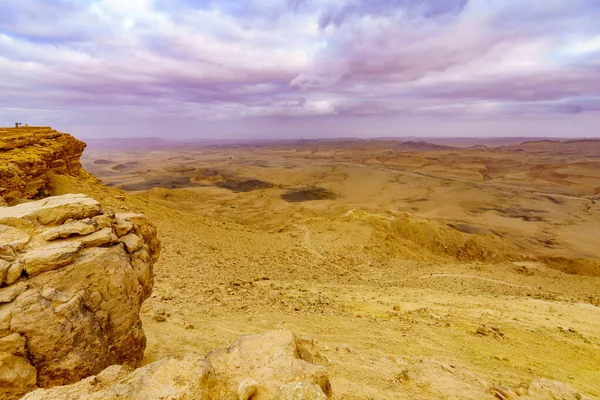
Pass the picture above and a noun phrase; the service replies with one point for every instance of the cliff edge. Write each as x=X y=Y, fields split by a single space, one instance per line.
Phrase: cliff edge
x=29 y=155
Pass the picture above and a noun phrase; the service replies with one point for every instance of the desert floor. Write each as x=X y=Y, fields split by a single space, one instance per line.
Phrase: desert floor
x=420 y=271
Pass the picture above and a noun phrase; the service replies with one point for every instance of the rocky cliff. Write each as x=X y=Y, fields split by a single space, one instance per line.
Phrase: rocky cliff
x=72 y=279
x=28 y=155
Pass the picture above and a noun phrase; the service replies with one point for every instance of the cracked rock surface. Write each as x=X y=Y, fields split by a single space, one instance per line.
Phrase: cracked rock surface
x=72 y=279
x=257 y=367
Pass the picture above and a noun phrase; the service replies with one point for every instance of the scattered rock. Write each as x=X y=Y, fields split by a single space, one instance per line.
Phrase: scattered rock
x=492 y=331
x=522 y=269
x=545 y=389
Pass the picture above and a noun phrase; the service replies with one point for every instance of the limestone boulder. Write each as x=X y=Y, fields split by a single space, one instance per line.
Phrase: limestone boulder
x=254 y=367
x=70 y=292
x=190 y=378
x=273 y=360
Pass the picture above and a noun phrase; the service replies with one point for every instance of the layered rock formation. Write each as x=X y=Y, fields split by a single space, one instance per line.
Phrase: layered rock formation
x=254 y=367
x=72 y=279
x=28 y=155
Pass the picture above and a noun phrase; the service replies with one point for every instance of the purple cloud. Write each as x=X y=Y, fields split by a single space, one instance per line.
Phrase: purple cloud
x=314 y=64
x=407 y=8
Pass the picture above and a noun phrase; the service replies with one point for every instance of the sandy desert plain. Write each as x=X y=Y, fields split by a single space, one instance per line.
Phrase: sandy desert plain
x=420 y=271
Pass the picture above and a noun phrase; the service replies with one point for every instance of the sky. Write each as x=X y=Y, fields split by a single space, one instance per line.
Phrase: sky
x=302 y=68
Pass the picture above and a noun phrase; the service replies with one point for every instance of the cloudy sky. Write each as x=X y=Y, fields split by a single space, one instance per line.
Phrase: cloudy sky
x=302 y=68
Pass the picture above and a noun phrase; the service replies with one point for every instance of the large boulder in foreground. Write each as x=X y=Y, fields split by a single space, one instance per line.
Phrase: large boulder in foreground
x=72 y=279
x=28 y=155
x=261 y=367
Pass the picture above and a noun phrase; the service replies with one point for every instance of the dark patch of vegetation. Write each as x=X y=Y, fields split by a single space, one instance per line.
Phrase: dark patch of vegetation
x=547 y=242
x=166 y=182
x=310 y=194
x=465 y=228
x=124 y=166
x=103 y=162
x=245 y=186
x=554 y=199
x=526 y=214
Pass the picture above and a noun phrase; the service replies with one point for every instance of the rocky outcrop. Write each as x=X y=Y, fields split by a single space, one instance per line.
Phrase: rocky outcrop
x=28 y=155
x=72 y=279
x=254 y=367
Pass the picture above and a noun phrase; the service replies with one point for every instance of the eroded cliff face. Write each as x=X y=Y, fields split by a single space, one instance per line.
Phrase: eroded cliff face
x=28 y=155
x=73 y=277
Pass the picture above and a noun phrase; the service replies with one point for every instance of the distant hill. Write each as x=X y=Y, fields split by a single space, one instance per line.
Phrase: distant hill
x=422 y=146
x=583 y=147
x=126 y=143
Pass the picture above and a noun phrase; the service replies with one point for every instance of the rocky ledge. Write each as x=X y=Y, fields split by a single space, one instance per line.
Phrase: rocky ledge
x=266 y=367
x=29 y=154
x=72 y=279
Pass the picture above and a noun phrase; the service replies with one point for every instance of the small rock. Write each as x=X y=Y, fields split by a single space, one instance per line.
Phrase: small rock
x=14 y=273
x=344 y=347
x=13 y=344
x=159 y=318
x=502 y=393
x=493 y=331
x=247 y=389
x=132 y=242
